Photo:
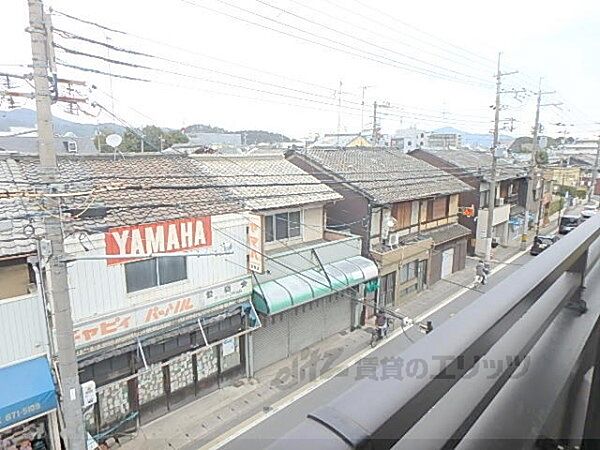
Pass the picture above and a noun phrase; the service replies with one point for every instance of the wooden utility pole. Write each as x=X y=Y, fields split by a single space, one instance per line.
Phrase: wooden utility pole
x=63 y=321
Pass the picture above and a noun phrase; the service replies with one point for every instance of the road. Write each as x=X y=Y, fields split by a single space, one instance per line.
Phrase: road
x=258 y=434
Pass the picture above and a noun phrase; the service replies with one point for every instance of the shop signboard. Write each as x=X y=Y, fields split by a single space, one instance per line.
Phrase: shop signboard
x=146 y=315
x=159 y=237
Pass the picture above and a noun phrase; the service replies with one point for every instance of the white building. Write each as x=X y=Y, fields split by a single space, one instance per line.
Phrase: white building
x=409 y=139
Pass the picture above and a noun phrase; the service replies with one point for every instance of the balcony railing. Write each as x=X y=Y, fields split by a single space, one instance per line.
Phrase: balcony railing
x=518 y=365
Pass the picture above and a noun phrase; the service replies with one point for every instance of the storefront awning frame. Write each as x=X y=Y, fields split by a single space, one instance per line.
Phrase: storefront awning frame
x=284 y=293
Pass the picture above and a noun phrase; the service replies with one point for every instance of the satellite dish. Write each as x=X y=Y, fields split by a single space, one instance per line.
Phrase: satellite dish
x=114 y=140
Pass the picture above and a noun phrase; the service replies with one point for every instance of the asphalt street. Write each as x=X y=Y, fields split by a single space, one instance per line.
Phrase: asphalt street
x=259 y=435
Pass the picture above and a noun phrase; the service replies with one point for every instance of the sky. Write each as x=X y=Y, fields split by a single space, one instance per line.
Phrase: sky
x=427 y=64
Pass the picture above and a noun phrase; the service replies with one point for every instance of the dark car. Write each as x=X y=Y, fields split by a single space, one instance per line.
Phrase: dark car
x=568 y=224
x=541 y=243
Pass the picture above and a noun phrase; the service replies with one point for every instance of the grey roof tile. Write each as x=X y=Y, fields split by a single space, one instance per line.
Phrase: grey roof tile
x=162 y=190
x=447 y=233
x=385 y=176
x=479 y=163
x=275 y=177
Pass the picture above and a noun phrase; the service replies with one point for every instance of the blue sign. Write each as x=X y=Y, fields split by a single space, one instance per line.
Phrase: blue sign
x=27 y=391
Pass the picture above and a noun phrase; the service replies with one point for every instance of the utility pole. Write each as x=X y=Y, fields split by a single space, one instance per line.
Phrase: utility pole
x=492 y=188
x=374 y=138
x=594 y=173
x=362 y=110
x=142 y=143
x=533 y=164
x=540 y=209
x=63 y=321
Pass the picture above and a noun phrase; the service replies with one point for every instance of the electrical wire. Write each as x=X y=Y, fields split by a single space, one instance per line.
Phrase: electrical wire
x=353 y=51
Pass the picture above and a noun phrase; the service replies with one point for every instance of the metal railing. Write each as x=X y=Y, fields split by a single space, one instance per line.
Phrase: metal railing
x=512 y=370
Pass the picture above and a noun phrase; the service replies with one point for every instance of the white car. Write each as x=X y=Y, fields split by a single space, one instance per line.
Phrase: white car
x=588 y=211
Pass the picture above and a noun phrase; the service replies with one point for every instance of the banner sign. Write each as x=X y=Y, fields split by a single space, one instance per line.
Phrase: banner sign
x=153 y=313
x=160 y=237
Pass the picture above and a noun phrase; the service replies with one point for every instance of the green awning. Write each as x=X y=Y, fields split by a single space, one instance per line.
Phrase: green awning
x=284 y=293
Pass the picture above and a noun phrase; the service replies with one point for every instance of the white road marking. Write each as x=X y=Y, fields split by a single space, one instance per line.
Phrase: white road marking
x=280 y=405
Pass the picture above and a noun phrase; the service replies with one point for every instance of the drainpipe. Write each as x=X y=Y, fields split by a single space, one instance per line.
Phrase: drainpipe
x=41 y=291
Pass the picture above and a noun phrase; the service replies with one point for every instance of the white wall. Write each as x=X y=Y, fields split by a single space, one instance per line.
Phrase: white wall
x=97 y=289
x=22 y=329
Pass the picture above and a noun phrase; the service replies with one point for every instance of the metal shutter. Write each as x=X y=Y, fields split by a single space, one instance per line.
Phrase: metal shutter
x=270 y=342
x=337 y=308
x=306 y=325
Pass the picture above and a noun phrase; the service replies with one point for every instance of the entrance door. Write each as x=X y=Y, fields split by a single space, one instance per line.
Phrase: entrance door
x=421 y=275
x=447 y=261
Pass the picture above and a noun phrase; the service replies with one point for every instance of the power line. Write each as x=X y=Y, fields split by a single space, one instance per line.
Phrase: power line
x=369 y=55
x=277 y=8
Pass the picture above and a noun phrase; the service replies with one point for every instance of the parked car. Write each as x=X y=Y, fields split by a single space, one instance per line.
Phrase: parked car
x=541 y=243
x=568 y=224
x=588 y=211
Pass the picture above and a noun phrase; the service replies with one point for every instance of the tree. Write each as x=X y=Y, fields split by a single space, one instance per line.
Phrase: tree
x=152 y=135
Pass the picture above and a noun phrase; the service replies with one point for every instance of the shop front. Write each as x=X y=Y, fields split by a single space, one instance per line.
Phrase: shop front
x=303 y=308
x=28 y=406
x=147 y=373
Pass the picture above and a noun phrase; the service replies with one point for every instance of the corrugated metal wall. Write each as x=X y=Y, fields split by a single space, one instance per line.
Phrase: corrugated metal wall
x=98 y=289
x=23 y=329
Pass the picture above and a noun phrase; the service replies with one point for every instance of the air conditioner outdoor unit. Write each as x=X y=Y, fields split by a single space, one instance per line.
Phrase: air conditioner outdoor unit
x=500 y=201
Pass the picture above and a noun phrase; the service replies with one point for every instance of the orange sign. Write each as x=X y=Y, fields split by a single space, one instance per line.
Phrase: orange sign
x=160 y=237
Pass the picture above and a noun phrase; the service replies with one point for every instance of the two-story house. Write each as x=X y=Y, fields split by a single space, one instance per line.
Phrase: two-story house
x=475 y=168
x=404 y=209
x=28 y=400
x=158 y=283
x=308 y=280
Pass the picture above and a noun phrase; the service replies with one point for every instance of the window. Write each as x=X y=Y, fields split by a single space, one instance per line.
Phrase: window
x=387 y=286
x=282 y=226
x=402 y=213
x=408 y=272
x=440 y=208
x=154 y=272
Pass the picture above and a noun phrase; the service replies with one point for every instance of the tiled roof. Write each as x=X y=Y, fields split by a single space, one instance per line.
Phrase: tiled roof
x=480 y=163
x=160 y=190
x=383 y=175
x=14 y=239
x=274 y=175
x=447 y=233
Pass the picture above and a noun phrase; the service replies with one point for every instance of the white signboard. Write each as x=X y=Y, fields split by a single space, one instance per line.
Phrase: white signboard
x=228 y=346
x=88 y=393
x=113 y=325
